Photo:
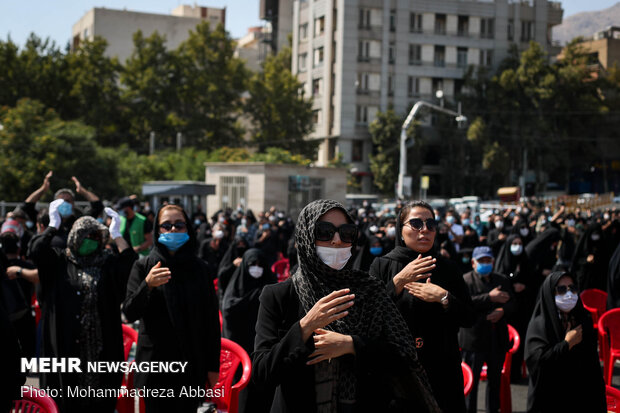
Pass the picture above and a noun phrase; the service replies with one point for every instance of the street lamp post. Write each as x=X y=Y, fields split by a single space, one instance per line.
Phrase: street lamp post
x=462 y=120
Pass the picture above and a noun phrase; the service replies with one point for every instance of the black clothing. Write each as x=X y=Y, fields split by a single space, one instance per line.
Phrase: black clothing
x=434 y=329
x=226 y=267
x=385 y=358
x=212 y=256
x=494 y=359
x=364 y=257
x=494 y=241
x=17 y=295
x=591 y=274
x=613 y=281
x=270 y=246
x=178 y=320
x=562 y=380
x=63 y=314
x=240 y=303
x=542 y=253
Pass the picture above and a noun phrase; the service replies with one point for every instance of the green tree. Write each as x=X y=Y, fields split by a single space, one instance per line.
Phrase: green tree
x=210 y=87
x=35 y=140
x=150 y=92
x=282 y=115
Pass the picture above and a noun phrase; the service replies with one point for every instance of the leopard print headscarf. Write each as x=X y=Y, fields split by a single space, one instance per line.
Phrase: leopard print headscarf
x=373 y=315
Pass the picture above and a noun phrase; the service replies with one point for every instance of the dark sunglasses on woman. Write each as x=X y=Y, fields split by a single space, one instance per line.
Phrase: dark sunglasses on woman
x=168 y=226
x=324 y=231
x=563 y=289
x=418 y=224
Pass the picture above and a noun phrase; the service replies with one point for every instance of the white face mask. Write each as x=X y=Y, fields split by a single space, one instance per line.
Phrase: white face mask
x=516 y=249
x=499 y=224
x=595 y=237
x=335 y=258
x=566 y=302
x=524 y=232
x=219 y=234
x=256 y=271
x=391 y=232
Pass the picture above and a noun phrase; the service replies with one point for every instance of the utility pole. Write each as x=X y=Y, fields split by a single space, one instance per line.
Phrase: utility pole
x=151 y=143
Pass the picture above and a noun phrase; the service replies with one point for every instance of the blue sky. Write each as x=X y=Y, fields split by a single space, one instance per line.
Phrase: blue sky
x=54 y=18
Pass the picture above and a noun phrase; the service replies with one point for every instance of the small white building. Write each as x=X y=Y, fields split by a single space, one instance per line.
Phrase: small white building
x=259 y=186
x=117 y=27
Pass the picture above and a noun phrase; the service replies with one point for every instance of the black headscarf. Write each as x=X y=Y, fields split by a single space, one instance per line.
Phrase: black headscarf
x=373 y=315
x=552 y=365
x=540 y=248
x=240 y=303
x=507 y=262
x=226 y=267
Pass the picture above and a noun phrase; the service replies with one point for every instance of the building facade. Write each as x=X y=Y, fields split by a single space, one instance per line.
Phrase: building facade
x=356 y=57
x=604 y=46
x=259 y=186
x=117 y=27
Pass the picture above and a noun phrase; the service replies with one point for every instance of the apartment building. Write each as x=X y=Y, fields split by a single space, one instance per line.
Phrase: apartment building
x=119 y=26
x=356 y=57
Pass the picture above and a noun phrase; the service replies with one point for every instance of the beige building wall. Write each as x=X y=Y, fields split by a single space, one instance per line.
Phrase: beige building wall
x=267 y=185
x=117 y=27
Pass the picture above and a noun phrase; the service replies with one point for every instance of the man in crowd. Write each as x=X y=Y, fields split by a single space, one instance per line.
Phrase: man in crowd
x=135 y=228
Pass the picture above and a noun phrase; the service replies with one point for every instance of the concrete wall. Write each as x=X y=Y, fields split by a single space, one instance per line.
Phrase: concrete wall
x=267 y=184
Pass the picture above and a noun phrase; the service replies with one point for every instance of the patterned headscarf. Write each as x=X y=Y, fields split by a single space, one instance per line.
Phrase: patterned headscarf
x=88 y=275
x=373 y=315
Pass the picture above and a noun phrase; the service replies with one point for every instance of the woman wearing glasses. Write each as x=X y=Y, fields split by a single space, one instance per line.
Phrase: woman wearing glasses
x=172 y=295
x=328 y=338
x=560 y=352
x=430 y=293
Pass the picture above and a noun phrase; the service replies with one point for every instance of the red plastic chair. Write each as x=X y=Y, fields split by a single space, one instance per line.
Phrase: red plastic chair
x=34 y=402
x=505 y=393
x=595 y=301
x=126 y=404
x=613 y=399
x=232 y=354
x=282 y=269
x=468 y=378
x=609 y=333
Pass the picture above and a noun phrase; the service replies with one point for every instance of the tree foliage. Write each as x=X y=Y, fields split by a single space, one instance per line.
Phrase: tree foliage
x=282 y=115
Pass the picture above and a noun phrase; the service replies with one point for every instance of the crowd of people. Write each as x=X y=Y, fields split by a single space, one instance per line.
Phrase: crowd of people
x=381 y=307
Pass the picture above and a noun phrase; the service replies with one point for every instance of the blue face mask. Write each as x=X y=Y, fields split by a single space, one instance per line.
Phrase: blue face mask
x=484 y=269
x=450 y=219
x=376 y=251
x=65 y=209
x=29 y=224
x=197 y=222
x=100 y=220
x=173 y=240
x=265 y=226
x=466 y=222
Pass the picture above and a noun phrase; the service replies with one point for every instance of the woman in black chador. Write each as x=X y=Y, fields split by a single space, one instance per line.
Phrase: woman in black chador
x=560 y=352
x=514 y=263
x=329 y=338
x=431 y=295
x=172 y=294
x=82 y=287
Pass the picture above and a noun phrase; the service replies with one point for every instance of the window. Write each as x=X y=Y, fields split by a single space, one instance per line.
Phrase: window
x=316 y=116
x=415 y=54
x=362 y=83
x=364 y=22
x=392 y=20
x=392 y=53
x=303 y=31
x=511 y=29
x=413 y=86
x=415 y=23
x=86 y=34
x=361 y=114
x=486 y=57
x=363 y=51
x=317 y=87
x=487 y=28
x=303 y=62
x=233 y=189
x=437 y=85
x=319 y=26
x=527 y=30
x=302 y=190
x=461 y=57
x=440 y=56
x=391 y=85
x=357 y=151
x=440 y=24
x=463 y=26
x=318 y=56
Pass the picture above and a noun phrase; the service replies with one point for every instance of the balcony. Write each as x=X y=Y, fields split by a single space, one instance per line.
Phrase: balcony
x=554 y=13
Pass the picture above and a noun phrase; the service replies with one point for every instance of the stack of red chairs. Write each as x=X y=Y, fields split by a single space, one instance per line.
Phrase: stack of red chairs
x=468 y=378
x=282 y=269
x=609 y=335
x=595 y=301
x=613 y=399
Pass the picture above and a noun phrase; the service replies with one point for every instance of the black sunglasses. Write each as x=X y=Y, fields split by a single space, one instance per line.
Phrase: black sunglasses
x=168 y=226
x=563 y=289
x=418 y=224
x=324 y=231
